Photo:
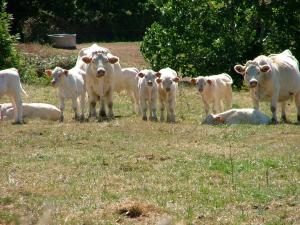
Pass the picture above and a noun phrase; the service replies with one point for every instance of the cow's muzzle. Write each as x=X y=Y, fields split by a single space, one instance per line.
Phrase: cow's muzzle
x=53 y=83
x=253 y=83
x=168 y=89
x=150 y=83
x=200 y=89
x=100 y=73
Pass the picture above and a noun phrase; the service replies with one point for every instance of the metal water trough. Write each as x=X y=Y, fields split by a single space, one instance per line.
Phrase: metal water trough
x=63 y=40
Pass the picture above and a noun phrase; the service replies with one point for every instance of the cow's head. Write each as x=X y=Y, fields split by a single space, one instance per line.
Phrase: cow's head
x=149 y=76
x=213 y=120
x=57 y=75
x=100 y=63
x=201 y=83
x=167 y=83
x=252 y=72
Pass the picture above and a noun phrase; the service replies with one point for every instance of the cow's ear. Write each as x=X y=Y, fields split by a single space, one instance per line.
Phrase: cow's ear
x=113 y=59
x=209 y=81
x=158 y=74
x=176 y=79
x=219 y=119
x=66 y=72
x=48 y=72
x=239 y=69
x=158 y=80
x=193 y=81
x=265 y=68
x=141 y=75
x=86 y=59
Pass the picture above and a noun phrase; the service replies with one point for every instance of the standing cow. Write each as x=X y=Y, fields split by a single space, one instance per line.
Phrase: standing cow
x=214 y=89
x=100 y=71
x=167 y=87
x=273 y=78
x=10 y=85
x=148 y=93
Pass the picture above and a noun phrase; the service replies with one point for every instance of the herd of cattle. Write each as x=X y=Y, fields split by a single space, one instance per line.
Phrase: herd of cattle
x=98 y=74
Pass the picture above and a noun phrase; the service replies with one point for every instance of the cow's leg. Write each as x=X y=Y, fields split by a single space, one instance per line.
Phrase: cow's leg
x=92 y=104
x=82 y=106
x=109 y=98
x=228 y=99
x=153 y=116
x=137 y=102
x=255 y=101
x=18 y=108
x=62 y=108
x=206 y=107
x=283 y=114
x=144 y=107
x=162 y=110
x=274 y=108
x=216 y=106
x=297 y=102
x=75 y=107
x=102 y=113
x=171 y=111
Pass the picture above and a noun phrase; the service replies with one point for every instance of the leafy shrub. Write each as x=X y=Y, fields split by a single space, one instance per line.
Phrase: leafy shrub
x=8 y=53
x=208 y=37
x=33 y=67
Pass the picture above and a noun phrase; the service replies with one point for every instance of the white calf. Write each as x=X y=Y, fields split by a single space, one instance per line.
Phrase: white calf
x=32 y=110
x=238 y=116
x=167 y=87
x=214 y=89
x=128 y=81
x=71 y=85
x=10 y=85
x=147 y=88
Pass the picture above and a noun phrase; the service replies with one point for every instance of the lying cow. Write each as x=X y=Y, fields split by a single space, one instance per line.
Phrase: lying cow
x=273 y=78
x=167 y=87
x=71 y=85
x=31 y=110
x=148 y=93
x=237 y=116
x=214 y=89
x=10 y=85
x=100 y=72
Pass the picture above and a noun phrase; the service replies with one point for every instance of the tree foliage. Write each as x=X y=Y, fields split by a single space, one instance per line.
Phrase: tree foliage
x=8 y=54
x=90 y=19
x=203 y=37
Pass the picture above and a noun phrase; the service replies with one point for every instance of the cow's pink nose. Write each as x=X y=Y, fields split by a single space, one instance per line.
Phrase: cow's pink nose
x=100 y=72
x=253 y=83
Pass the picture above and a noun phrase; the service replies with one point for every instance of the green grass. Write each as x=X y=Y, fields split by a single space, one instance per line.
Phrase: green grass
x=97 y=173
x=82 y=173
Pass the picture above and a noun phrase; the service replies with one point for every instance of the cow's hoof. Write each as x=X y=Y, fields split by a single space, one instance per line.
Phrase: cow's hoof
x=17 y=123
x=284 y=119
x=144 y=118
x=154 y=119
x=274 y=121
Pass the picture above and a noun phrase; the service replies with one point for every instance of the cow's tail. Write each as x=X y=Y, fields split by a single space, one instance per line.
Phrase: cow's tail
x=23 y=91
x=230 y=81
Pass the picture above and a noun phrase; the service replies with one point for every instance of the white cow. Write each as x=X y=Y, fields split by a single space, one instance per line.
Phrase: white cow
x=71 y=85
x=101 y=69
x=238 y=116
x=214 y=89
x=167 y=87
x=147 y=88
x=31 y=110
x=273 y=78
x=128 y=81
x=10 y=85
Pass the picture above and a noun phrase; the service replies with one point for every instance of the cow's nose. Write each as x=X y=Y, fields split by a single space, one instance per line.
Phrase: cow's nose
x=253 y=83
x=150 y=83
x=168 y=89
x=53 y=82
x=200 y=89
x=100 y=72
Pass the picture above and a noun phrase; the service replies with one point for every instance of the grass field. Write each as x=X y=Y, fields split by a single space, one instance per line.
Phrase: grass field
x=128 y=171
